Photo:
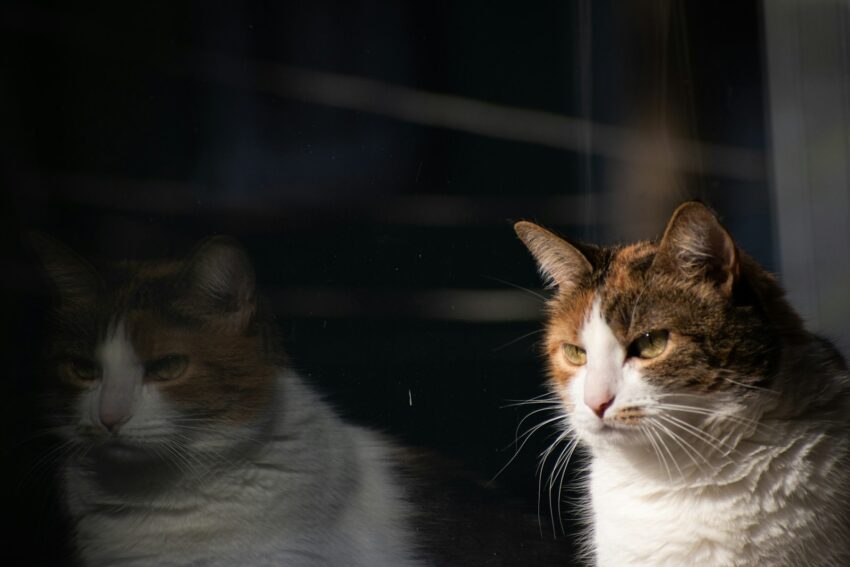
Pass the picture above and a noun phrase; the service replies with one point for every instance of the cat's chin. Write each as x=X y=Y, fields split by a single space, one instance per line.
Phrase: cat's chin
x=600 y=434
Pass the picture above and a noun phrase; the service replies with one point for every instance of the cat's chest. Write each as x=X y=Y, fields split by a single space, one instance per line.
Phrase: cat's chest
x=764 y=512
x=633 y=527
x=200 y=521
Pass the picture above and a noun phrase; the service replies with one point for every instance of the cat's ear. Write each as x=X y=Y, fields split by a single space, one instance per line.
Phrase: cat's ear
x=560 y=263
x=696 y=245
x=219 y=280
x=74 y=280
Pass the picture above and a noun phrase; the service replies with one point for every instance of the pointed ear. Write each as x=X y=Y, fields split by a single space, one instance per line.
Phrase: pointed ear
x=219 y=281
x=74 y=279
x=560 y=263
x=696 y=246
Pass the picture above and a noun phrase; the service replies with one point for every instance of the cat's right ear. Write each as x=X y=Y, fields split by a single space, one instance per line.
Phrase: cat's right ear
x=560 y=263
x=74 y=280
x=220 y=282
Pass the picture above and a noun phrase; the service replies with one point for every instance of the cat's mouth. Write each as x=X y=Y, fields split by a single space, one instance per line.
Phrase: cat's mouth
x=121 y=451
x=619 y=425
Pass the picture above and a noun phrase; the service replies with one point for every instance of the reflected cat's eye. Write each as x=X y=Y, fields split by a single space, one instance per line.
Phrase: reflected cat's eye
x=575 y=355
x=167 y=367
x=82 y=369
x=649 y=345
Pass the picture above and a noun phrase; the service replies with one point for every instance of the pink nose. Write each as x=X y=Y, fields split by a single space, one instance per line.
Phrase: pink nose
x=113 y=421
x=600 y=406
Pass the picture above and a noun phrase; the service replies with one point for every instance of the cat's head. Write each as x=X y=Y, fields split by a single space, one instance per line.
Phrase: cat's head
x=152 y=360
x=655 y=339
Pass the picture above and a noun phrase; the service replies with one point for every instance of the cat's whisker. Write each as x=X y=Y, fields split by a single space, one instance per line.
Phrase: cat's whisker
x=545 y=397
x=648 y=432
x=528 y=415
x=516 y=286
x=518 y=339
x=689 y=450
x=666 y=449
x=738 y=419
x=697 y=433
x=565 y=461
x=688 y=447
x=544 y=457
x=749 y=386
x=53 y=456
x=222 y=433
x=525 y=438
x=706 y=411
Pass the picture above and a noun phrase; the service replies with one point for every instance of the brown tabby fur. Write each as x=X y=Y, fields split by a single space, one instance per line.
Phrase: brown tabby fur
x=717 y=330
x=229 y=342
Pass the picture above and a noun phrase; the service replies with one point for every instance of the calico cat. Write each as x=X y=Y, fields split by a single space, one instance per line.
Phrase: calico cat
x=718 y=428
x=190 y=442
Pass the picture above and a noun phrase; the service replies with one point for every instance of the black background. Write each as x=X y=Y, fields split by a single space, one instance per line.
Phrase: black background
x=116 y=139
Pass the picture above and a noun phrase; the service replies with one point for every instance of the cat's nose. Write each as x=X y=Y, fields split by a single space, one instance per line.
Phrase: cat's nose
x=113 y=421
x=600 y=405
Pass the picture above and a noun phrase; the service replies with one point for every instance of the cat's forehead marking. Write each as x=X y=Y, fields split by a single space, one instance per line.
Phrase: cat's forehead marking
x=122 y=374
x=628 y=265
x=116 y=353
x=599 y=341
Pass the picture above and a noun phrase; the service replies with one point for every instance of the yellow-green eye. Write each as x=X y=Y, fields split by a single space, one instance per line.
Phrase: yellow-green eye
x=575 y=355
x=649 y=345
x=167 y=367
x=82 y=369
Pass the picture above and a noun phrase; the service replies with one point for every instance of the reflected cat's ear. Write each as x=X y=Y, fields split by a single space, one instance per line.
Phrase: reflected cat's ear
x=74 y=279
x=560 y=263
x=219 y=280
x=696 y=245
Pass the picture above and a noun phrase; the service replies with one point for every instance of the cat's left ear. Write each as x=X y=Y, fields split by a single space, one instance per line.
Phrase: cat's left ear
x=561 y=263
x=696 y=245
x=219 y=279
x=74 y=280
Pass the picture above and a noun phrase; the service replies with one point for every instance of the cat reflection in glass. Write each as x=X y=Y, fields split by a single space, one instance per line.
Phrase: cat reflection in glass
x=718 y=428
x=188 y=442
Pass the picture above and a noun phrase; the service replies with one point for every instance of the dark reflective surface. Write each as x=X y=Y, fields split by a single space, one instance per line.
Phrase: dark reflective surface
x=369 y=158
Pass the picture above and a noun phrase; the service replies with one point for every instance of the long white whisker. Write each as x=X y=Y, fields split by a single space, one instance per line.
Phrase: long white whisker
x=710 y=440
x=660 y=453
x=525 y=437
x=518 y=339
x=686 y=447
x=543 y=458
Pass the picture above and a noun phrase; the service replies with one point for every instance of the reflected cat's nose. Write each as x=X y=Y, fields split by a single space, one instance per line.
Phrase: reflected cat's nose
x=600 y=405
x=113 y=421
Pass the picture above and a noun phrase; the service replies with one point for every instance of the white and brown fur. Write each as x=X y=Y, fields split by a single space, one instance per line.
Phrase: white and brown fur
x=231 y=461
x=730 y=448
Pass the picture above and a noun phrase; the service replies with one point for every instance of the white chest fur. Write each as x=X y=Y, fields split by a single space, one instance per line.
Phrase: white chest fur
x=782 y=504
x=319 y=492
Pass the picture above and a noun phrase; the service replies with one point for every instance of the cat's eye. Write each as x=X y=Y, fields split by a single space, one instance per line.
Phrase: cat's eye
x=81 y=369
x=169 y=367
x=575 y=355
x=650 y=344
